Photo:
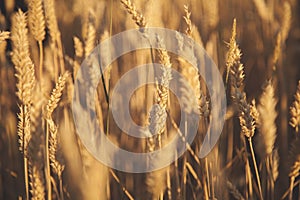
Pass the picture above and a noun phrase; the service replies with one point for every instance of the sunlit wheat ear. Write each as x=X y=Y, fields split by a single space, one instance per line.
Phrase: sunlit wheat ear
x=89 y=40
x=191 y=29
x=137 y=17
x=21 y=58
x=187 y=19
x=266 y=122
x=4 y=35
x=25 y=83
x=36 y=19
x=36 y=176
x=25 y=76
x=163 y=88
x=78 y=46
x=295 y=110
x=56 y=94
x=51 y=19
x=233 y=61
x=247 y=120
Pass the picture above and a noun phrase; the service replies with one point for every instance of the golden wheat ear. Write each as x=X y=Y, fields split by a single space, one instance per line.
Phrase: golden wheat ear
x=295 y=110
x=137 y=17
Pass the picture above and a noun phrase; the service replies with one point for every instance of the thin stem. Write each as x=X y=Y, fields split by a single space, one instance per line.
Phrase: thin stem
x=41 y=62
x=291 y=187
x=25 y=158
x=48 y=176
x=255 y=167
x=184 y=164
x=26 y=177
x=207 y=177
x=61 y=188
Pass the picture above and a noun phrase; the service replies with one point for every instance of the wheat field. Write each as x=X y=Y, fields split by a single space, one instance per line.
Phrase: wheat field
x=256 y=46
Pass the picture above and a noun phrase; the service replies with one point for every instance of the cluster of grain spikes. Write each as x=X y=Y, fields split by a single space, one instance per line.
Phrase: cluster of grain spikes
x=247 y=113
x=191 y=87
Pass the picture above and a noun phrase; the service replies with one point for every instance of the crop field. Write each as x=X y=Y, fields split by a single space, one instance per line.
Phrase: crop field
x=149 y=99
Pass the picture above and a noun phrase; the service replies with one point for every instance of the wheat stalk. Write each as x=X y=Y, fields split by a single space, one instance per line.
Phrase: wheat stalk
x=51 y=105
x=26 y=80
x=247 y=113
